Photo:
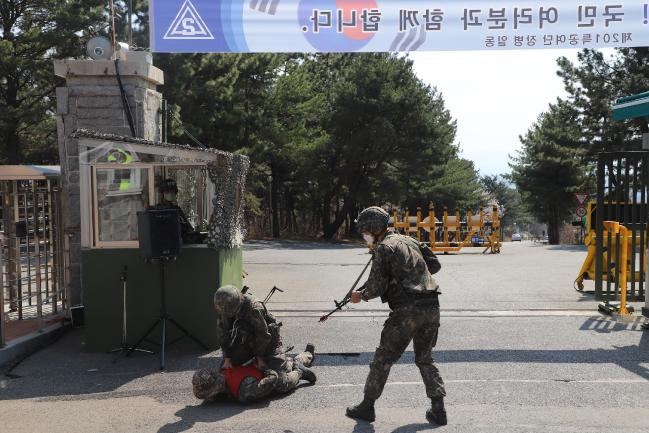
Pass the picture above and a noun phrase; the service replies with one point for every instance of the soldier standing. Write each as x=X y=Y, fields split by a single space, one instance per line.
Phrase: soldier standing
x=247 y=331
x=401 y=276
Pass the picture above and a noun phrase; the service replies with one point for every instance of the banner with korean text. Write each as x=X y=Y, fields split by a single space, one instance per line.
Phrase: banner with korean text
x=201 y=26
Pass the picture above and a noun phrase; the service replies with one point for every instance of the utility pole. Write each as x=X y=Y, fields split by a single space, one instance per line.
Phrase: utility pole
x=130 y=23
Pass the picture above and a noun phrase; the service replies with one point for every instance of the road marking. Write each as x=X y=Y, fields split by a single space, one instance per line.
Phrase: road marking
x=304 y=264
x=454 y=313
x=533 y=381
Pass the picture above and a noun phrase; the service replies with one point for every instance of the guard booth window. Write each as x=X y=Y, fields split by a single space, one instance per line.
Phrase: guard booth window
x=119 y=193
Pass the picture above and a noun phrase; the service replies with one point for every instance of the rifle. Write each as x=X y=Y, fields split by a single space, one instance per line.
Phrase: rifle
x=270 y=294
x=348 y=296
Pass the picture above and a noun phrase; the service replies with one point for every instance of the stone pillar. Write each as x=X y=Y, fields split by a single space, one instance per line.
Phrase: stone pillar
x=91 y=99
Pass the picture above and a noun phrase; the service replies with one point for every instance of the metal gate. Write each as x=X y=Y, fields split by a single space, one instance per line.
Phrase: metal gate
x=32 y=248
x=622 y=194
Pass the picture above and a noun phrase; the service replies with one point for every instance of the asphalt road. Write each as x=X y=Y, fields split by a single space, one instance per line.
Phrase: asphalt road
x=519 y=349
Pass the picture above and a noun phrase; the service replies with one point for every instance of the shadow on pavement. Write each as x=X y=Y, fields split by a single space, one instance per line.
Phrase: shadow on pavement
x=64 y=369
x=414 y=428
x=363 y=427
x=631 y=358
x=218 y=410
x=207 y=413
x=604 y=325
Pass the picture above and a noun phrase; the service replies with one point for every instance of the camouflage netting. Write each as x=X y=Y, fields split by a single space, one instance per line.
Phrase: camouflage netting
x=228 y=174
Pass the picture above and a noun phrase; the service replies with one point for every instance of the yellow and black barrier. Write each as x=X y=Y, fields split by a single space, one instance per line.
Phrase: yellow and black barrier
x=455 y=231
x=612 y=253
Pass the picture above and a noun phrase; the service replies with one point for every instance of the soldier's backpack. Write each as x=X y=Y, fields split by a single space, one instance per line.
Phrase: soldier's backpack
x=432 y=262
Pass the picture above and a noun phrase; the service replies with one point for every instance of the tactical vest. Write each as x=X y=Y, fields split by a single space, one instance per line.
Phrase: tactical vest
x=242 y=346
x=399 y=297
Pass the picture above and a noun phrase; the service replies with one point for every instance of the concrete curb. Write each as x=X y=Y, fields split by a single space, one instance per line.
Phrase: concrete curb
x=22 y=347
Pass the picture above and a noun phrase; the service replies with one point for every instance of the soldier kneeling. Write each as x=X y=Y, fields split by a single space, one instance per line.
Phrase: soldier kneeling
x=246 y=332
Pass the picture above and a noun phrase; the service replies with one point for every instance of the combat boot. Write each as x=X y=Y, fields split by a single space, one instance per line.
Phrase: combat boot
x=437 y=413
x=310 y=348
x=364 y=411
x=307 y=373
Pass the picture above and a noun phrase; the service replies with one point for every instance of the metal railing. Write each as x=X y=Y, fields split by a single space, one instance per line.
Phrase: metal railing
x=32 y=257
x=622 y=196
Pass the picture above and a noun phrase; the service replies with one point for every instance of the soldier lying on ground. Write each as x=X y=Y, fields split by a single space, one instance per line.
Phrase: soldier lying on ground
x=247 y=383
x=246 y=330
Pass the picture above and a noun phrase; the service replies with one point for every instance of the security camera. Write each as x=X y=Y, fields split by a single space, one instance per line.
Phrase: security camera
x=99 y=48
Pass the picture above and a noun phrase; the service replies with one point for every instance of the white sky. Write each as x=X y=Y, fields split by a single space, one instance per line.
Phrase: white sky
x=495 y=96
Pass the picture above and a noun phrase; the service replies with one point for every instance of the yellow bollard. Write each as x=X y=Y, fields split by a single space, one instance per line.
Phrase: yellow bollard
x=395 y=221
x=615 y=228
x=431 y=225
x=445 y=227
x=624 y=234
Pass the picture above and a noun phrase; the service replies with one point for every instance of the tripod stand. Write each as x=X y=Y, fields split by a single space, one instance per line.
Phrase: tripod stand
x=162 y=321
x=125 y=348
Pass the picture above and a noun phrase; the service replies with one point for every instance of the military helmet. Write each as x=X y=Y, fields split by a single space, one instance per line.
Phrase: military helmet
x=228 y=300
x=207 y=383
x=373 y=219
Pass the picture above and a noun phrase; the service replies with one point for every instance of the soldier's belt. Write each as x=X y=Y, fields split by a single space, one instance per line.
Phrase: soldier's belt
x=428 y=299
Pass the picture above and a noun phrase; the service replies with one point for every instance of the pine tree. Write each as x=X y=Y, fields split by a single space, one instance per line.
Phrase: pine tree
x=593 y=85
x=32 y=33
x=550 y=166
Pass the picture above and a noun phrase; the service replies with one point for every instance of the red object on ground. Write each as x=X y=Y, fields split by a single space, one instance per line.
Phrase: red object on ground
x=235 y=375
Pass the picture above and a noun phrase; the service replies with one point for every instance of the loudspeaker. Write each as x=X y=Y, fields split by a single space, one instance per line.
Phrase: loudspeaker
x=159 y=233
x=77 y=316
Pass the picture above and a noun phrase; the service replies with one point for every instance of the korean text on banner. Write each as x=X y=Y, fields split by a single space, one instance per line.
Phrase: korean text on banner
x=204 y=26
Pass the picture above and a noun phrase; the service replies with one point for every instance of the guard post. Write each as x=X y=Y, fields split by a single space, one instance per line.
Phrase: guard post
x=634 y=107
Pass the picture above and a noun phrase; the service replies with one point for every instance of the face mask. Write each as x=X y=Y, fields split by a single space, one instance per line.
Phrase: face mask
x=170 y=196
x=369 y=239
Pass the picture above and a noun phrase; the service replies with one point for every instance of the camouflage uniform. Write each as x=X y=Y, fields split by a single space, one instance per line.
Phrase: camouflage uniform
x=253 y=331
x=208 y=383
x=400 y=276
x=252 y=389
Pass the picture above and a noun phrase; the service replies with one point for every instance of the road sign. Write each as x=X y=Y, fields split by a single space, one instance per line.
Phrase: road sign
x=581 y=197
x=581 y=211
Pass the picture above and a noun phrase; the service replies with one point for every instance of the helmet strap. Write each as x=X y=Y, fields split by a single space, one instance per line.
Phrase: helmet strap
x=378 y=237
